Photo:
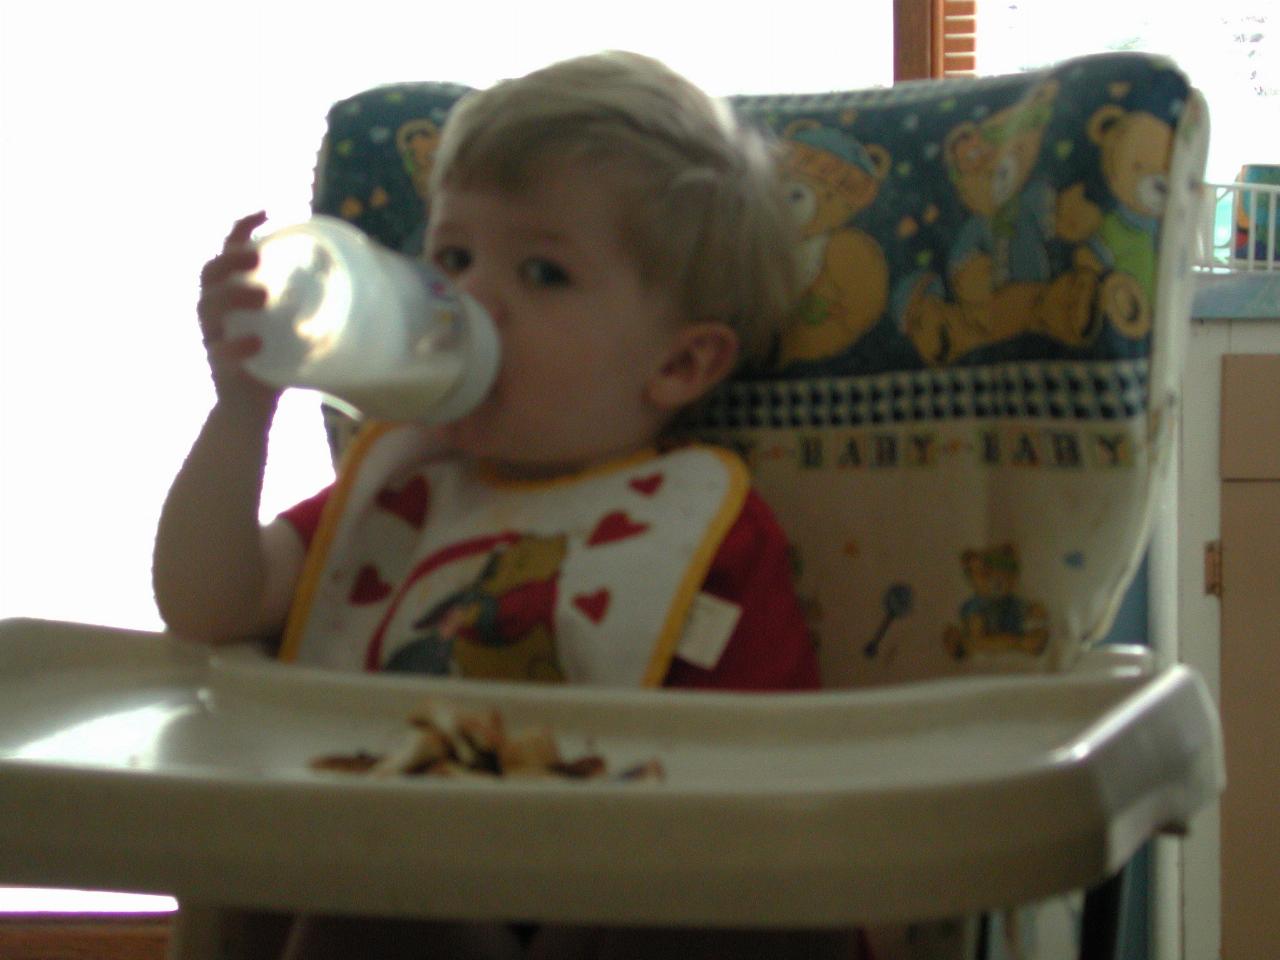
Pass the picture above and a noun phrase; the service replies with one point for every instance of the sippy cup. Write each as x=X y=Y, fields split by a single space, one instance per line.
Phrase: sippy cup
x=387 y=334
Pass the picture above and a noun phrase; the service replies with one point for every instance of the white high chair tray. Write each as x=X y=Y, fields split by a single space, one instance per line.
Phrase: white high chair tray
x=135 y=761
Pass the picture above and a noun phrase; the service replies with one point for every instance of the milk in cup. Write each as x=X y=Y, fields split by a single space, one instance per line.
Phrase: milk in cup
x=383 y=332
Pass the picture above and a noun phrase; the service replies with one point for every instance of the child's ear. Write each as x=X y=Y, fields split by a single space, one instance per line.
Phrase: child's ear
x=701 y=355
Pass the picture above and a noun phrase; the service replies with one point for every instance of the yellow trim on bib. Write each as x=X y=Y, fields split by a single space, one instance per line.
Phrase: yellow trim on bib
x=664 y=650
x=318 y=550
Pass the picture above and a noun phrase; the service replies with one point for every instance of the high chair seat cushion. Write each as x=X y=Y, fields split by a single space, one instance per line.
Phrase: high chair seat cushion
x=963 y=431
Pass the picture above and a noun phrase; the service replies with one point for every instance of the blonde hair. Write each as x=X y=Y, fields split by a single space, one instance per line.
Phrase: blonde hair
x=703 y=206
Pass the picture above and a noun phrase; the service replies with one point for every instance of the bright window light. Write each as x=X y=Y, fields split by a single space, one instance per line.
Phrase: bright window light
x=1229 y=48
x=133 y=133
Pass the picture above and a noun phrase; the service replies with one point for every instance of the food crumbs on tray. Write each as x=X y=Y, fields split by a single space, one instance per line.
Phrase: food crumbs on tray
x=443 y=743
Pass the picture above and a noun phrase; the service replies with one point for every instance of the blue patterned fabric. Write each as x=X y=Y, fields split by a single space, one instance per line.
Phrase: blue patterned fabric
x=376 y=159
x=924 y=187
x=983 y=218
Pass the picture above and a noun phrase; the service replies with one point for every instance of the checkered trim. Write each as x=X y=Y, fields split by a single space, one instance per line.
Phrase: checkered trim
x=1114 y=390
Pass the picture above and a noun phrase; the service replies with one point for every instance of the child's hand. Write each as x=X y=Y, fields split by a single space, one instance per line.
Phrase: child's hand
x=224 y=288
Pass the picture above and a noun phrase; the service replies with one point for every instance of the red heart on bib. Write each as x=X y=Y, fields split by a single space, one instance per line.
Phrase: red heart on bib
x=613 y=527
x=593 y=605
x=647 y=485
x=409 y=502
x=369 y=587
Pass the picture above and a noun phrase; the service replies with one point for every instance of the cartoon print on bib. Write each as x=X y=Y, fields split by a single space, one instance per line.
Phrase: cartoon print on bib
x=501 y=625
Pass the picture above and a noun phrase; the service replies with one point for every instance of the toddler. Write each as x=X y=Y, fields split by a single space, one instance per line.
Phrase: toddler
x=632 y=243
x=633 y=246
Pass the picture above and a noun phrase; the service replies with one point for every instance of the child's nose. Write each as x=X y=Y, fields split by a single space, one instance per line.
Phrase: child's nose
x=483 y=289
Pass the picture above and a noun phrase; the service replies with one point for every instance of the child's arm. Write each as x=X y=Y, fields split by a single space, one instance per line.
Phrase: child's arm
x=218 y=575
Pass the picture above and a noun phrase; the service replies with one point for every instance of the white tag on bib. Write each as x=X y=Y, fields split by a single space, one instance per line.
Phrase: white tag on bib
x=710 y=625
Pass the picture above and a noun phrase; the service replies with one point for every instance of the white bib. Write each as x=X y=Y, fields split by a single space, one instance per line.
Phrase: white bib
x=425 y=566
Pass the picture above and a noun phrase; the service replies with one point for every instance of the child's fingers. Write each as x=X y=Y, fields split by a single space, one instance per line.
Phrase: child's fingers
x=218 y=300
x=229 y=352
x=221 y=297
x=233 y=260
x=243 y=229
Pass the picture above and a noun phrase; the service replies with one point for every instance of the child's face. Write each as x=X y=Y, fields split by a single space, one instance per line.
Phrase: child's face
x=582 y=336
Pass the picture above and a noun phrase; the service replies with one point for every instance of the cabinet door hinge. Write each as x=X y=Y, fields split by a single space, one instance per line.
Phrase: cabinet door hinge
x=1213 y=568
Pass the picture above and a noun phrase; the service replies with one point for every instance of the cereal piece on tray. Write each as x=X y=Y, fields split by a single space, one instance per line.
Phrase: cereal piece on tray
x=446 y=743
x=418 y=752
x=530 y=753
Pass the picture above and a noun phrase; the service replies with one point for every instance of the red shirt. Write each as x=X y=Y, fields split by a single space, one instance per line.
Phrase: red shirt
x=770 y=647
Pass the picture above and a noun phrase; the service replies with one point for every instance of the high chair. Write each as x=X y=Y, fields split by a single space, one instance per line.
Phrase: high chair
x=962 y=437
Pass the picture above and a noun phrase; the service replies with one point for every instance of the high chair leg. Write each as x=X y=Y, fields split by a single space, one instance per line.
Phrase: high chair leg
x=1101 y=924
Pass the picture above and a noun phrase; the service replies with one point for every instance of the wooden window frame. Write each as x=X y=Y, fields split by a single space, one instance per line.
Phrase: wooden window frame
x=934 y=39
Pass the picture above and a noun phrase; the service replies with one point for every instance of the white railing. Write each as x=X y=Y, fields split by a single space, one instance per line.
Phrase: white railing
x=1239 y=230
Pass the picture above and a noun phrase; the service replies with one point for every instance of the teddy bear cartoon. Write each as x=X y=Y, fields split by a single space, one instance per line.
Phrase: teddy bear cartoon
x=416 y=142
x=999 y=272
x=995 y=619
x=500 y=626
x=1120 y=246
x=831 y=177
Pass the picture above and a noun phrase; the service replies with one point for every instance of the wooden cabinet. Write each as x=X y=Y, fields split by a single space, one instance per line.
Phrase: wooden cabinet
x=1229 y=443
x=1249 y=654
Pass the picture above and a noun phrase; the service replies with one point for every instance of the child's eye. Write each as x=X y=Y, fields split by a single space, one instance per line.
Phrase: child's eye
x=452 y=260
x=544 y=273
